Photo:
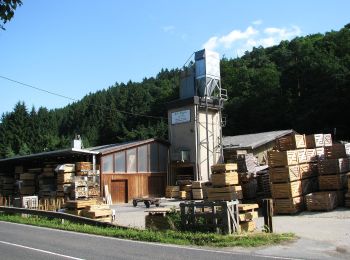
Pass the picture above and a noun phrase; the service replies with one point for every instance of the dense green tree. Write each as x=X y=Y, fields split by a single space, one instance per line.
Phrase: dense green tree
x=7 y=10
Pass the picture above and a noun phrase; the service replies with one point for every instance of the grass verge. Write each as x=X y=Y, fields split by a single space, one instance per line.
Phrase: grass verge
x=168 y=237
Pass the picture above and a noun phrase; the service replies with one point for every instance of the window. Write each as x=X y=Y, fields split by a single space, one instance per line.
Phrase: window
x=163 y=158
x=107 y=163
x=154 y=157
x=142 y=159
x=119 y=160
x=131 y=160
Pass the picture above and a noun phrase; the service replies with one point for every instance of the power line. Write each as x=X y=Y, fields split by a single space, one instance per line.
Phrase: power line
x=74 y=99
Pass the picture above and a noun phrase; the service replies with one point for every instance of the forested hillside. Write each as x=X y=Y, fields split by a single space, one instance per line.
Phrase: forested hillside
x=303 y=84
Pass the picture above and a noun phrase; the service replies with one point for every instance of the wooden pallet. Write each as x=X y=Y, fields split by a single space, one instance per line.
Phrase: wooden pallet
x=276 y=158
x=333 y=166
x=321 y=201
x=291 y=142
x=335 y=151
x=332 y=182
x=315 y=140
x=308 y=170
x=246 y=207
x=224 y=179
x=288 y=206
x=286 y=190
x=223 y=167
x=284 y=174
x=80 y=204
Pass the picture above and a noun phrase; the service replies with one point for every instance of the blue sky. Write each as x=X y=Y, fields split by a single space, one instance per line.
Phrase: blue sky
x=81 y=46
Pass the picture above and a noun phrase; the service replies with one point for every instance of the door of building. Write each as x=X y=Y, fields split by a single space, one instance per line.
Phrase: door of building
x=119 y=191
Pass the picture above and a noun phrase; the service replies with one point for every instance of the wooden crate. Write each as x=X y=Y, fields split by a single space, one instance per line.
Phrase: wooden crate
x=309 y=185
x=315 y=140
x=311 y=155
x=284 y=174
x=197 y=184
x=276 y=158
x=288 y=206
x=308 y=170
x=302 y=156
x=332 y=182
x=291 y=142
x=224 y=179
x=335 y=151
x=286 y=190
x=333 y=166
x=318 y=201
x=197 y=194
x=223 y=167
x=327 y=140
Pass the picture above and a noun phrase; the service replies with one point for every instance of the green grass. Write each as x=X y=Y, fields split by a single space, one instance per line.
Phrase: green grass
x=169 y=237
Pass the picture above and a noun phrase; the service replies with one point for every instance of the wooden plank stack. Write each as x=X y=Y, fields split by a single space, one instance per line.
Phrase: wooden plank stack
x=100 y=213
x=47 y=182
x=82 y=168
x=224 y=183
x=28 y=182
x=197 y=190
x=247 y=214
x=321 y=201
x=185 y=189
x=6 y=184
x=65 y=179
x=332 y=171
x=75 y=207
x=172 y=191
x=292 y=173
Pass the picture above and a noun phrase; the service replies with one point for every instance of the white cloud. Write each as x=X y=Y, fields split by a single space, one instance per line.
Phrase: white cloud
x=169 y=28
x=237 y=42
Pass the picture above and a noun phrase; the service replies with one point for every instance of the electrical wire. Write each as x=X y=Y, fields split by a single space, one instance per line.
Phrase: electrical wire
x=75 y=100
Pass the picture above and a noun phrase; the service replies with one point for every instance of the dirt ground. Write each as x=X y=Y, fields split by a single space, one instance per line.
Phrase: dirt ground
x=322 y=235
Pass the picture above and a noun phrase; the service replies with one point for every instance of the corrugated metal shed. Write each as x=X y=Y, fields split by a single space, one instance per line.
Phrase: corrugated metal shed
x=252 y=141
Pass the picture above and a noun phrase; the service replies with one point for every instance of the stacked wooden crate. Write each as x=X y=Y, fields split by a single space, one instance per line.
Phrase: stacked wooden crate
x=76 y=206
x=185 y=189
x=247 y=214
x=347 y=195
x=28 y=181
x=197 y=190
x=100 y=213
x=47 y=181
x=332 y=171
x=321 y=201
x=7 y=184
x=293 y=171
x=65 y=179
x=224 y=181
x=172 y=191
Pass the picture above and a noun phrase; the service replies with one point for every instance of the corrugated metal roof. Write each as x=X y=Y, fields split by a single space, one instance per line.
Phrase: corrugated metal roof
x=109 y=148
x=252 y=141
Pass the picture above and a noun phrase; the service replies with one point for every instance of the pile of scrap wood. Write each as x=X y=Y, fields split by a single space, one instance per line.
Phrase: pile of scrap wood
x=224 y=183
x=247 y=214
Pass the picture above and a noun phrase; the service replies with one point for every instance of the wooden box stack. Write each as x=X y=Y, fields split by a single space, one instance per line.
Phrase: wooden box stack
x=47 y=182
x=347 y=195
x=197 y=190
x=224 y=183
x=293 y=173
x=172 y=191
x=332 y=171
x=100 y=213
x=82 y=168
x=247 y=214
x=321 y=201
x=28 y=181
x=7 y=184
x=185 y=190
x=65 y=179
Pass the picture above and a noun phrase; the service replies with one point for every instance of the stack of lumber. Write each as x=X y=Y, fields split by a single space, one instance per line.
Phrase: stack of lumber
x=247 y=214
x=65 y=179
x=82 y=168
x=185 y=189
x=224 y=181
x=28 y=181
x=321 y=201
x=332 y=171
x=293 y=173
x=347 y=195
x=172 y=191
x=76 y=206
x=263 y=184
x=157 y=219
x=197 y=190
x=6 y=184
x=100 y=213
x=47 y=181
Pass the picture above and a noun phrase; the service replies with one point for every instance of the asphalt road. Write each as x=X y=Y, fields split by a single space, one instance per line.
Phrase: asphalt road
x=26 y=242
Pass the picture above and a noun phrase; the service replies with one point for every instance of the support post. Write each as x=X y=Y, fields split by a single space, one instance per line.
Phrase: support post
x=267 y=211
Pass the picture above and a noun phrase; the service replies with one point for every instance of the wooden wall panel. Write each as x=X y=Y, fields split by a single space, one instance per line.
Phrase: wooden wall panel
x=140 y=184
